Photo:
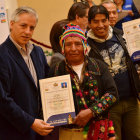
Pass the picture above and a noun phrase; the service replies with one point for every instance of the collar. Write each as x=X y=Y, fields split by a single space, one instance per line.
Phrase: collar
x=92 y=36
x=29 y=46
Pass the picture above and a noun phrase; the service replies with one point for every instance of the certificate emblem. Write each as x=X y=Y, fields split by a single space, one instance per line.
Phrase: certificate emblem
x=55 y=84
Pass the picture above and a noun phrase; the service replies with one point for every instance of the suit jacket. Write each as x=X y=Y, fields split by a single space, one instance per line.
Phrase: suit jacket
x=20 y=100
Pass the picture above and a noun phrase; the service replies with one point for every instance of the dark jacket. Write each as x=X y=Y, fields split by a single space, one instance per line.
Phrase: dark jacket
x=19 y=97
x=135 y=82
x=105 y=84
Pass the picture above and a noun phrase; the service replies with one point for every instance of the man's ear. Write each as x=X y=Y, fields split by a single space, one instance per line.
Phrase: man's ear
x=77 y=18
x=89 y=24
x=109 y=22
x=11 y=24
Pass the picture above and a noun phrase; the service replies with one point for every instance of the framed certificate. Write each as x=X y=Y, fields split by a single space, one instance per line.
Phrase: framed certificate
x=57 y=100
x=132 y=35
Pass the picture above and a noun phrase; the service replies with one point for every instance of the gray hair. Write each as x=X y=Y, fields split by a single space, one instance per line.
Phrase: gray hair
x=21 y=10
x=108 y=1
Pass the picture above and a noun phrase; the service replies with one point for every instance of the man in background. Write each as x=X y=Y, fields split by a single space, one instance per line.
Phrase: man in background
x=113 y=17
x=78 y=14
x=112 y=10
x=108 y=45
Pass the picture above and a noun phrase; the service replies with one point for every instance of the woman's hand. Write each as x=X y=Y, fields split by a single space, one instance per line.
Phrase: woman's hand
x=112 y=138
x=130 y=13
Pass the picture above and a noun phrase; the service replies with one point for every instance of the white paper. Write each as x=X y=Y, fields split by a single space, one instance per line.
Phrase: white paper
x=57 y=98
x=132 y=35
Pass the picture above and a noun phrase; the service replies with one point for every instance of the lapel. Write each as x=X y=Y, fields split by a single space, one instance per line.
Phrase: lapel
x=35 y=59
x=14 y=53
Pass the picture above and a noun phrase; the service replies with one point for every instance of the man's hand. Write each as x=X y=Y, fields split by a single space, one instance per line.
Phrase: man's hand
x=83 y=117
x=42 y=128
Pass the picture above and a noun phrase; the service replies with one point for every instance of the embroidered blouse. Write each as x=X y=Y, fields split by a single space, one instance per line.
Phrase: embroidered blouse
x=95 y=89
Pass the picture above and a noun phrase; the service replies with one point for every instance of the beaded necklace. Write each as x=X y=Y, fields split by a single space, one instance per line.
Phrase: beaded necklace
x=90 y=92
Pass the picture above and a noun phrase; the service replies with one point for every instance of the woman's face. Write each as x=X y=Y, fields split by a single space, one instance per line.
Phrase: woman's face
x=118 y=1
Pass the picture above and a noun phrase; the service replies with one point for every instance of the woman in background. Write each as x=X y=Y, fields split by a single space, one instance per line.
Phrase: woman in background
x=56 y=31
x=129 y=7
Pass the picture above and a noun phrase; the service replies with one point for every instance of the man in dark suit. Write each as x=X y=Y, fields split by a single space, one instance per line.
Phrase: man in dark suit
x=21 y=66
